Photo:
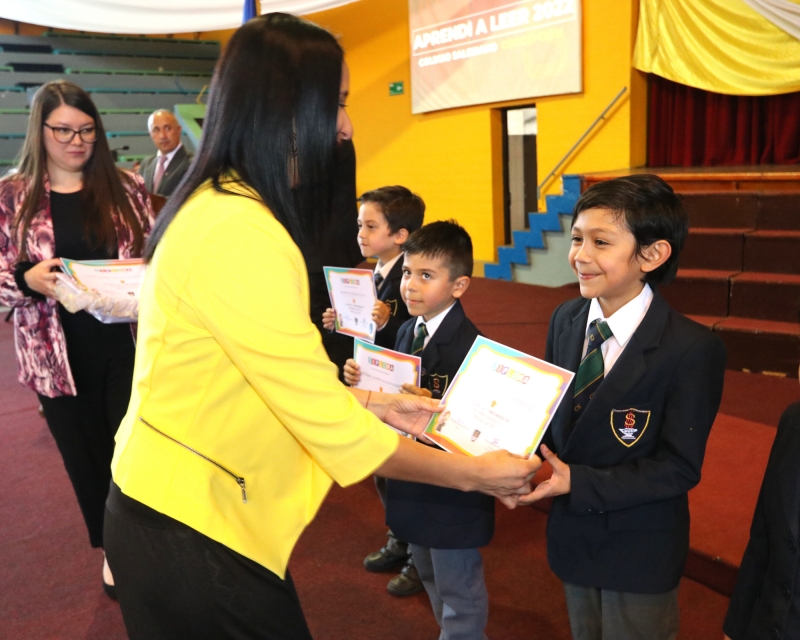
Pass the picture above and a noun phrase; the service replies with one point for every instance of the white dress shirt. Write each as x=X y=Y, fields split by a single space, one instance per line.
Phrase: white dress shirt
x=431 y=325
x=623 y=324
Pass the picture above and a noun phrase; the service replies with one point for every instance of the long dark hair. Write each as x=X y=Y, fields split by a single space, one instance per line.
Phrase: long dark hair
x=102 y=193
x=271 y=119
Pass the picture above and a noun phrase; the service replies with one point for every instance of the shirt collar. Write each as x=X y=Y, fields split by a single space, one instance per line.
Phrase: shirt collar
x=384 y=269
x=433 y=324
x=171 y=154
x=625 y=321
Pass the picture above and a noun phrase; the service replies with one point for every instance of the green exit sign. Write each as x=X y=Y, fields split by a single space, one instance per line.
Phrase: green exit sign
x=395 y=88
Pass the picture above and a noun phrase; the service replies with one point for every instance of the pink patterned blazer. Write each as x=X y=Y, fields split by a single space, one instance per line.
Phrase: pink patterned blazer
x=39 y=338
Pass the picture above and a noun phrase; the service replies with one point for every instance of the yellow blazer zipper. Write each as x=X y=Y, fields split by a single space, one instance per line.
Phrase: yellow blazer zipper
x=239 y=479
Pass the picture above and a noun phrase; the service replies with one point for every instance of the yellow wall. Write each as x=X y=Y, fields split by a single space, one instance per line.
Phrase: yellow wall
x=453 y=158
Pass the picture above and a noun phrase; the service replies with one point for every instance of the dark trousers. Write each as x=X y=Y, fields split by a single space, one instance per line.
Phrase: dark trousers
x=84 y=425
x=599 y=614
x=174 y=583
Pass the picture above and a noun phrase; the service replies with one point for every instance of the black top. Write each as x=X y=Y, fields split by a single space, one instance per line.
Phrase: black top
x=68 y=229
x=85 y=335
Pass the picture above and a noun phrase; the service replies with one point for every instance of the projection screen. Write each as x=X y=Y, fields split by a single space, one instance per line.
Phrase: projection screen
x=466 y=52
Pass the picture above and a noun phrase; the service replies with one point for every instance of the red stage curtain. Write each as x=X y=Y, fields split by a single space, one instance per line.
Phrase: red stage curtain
x=694 y=128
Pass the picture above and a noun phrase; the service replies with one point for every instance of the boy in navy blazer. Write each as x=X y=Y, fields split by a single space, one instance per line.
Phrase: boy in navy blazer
x=444 y=527
x=628 y=441
x=386 y=217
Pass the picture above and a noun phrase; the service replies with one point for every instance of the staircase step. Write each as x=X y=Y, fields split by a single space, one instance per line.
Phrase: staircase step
x=703 y=292
x=766 y=296
x=779 y=211
x=760 y=346
x=716 y=248
x=772 y=251
x=722 y=209
x=707 y=321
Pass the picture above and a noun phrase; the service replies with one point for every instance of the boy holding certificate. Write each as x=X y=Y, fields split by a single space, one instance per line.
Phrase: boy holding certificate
x=386 y=217
x=444 y=527
x=631 y=443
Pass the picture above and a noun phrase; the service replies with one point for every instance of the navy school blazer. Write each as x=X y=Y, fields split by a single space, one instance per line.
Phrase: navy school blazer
x=390 y=294
x=766 y=599
x=634 y=453
x=424 y=514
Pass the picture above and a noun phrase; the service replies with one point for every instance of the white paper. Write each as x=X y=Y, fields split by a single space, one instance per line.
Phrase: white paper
x=353 y=298
x=500 y=399
x=385 y=370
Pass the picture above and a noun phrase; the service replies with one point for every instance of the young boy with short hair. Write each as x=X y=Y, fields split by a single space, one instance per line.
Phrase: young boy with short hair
x=386 y=217
x=631 y=434
x=444 y=527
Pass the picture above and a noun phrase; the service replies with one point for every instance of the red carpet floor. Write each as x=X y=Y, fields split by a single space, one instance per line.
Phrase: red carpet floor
x=50 y=577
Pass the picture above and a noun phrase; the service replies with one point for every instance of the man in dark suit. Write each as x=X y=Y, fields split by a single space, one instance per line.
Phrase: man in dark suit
x=766 y=600
x=164 y=171
x=630 y=435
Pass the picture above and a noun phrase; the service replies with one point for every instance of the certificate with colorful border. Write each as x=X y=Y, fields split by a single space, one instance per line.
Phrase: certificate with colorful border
x=500 y=398
x=353 y=298
x=109 y=278
x=385 y=370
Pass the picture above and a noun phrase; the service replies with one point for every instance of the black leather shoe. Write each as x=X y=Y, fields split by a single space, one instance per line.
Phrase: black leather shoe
x=405 y=584
x=386 y=559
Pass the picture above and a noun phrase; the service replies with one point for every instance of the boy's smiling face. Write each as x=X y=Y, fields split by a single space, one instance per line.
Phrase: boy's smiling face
x=375 y=238
x=427 y=287
x=603 y=256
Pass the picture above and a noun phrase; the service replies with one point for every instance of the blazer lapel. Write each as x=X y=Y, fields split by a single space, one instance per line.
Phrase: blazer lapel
x=431 y=358
x=149 y=172
x=629 y=368
x=568 y=353
x=175 y=164
x=788 y=486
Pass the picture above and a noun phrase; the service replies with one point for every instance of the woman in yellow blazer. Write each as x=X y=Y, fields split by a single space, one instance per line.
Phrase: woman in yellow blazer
x=237 y=424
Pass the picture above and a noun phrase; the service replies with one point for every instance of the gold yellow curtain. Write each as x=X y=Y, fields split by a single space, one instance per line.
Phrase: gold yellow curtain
x=717 y=45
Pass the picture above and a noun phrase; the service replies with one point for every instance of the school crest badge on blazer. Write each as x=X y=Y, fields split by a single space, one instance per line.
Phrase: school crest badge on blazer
x=438 y=384
x=392 y=304
x=628 y=425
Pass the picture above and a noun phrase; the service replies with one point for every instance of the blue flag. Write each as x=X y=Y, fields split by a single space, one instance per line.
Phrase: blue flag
x=250 y=10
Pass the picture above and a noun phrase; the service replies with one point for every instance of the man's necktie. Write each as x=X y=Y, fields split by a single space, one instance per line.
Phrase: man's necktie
x=419 y=339
x=378 y=280
x=162 y=160
x=591 y=369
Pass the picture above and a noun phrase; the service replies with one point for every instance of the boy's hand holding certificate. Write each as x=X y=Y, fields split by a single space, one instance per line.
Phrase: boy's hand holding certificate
x=353 y=297
x=385 y=370
x=500 y=398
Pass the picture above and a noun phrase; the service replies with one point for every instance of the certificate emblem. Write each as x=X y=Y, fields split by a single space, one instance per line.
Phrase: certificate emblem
x=628 y=425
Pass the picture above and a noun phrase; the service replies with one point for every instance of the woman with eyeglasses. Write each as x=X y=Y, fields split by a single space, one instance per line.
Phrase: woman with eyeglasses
x=67 y=199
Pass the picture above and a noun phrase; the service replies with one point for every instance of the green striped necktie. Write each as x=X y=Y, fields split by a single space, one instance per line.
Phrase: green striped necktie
x=419 y=339
x=591 y=369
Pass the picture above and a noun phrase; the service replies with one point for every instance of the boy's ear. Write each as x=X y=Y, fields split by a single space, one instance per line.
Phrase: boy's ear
x=460 y=285
x=654 y=255
x=400 y=236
